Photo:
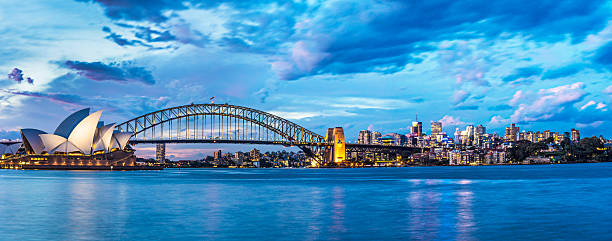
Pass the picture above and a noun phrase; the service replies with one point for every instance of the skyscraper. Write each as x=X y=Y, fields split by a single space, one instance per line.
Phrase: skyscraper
x=417 y=128
x=160 y=152
x=436 y=128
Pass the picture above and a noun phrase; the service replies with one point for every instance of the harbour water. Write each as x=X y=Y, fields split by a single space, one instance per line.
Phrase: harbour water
x=544 y=202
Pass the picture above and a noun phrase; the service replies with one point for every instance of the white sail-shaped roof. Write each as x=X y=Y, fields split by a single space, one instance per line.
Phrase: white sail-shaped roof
x=51 y=141
x=103 y=137
x=66 y=147
x=120 y=139
x=82 y=135
x=31 y=139
x=67 y=126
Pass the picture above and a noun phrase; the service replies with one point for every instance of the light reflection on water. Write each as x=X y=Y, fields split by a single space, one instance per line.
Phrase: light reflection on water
x=437 y=203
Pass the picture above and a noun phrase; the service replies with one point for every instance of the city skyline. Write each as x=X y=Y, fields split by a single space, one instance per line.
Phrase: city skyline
x=358 y=65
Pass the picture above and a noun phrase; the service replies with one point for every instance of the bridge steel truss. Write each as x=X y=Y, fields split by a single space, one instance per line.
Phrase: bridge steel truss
x=221 y=123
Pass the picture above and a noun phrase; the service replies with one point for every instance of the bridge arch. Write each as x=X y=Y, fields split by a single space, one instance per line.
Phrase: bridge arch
x=208 y=123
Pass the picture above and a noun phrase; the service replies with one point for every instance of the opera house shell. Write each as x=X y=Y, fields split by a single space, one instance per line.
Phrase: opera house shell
x=81 y=141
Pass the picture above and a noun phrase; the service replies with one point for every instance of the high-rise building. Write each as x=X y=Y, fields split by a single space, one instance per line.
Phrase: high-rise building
x=469 y=131
x=436 y=128
x=365 y=136
x=480 y=130
x=512 y=133
x=160 y=152
x=575 y=135
x=374 y=138
x=218 y=155
x=417 y=128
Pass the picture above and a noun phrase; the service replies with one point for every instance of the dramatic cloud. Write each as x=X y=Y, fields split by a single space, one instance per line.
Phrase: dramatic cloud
x=120 y=40
x=122 y=72
x=148 y=37
x=550 y=104
x=339 y=37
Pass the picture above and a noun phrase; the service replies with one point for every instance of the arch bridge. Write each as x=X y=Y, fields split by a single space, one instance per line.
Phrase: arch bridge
x=224 y=123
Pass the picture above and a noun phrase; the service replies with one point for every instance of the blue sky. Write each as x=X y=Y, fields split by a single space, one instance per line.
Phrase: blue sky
x=356 y=64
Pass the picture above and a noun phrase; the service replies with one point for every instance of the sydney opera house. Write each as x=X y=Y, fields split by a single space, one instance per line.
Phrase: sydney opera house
x=81 y=141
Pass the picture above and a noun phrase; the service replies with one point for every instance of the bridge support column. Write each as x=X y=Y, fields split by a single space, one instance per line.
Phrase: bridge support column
x=337 y=152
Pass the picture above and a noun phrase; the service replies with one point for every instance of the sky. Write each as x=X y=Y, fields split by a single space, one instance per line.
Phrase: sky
x=367 y=64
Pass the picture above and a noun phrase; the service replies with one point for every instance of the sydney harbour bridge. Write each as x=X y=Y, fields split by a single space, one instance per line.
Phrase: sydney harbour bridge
x=224 y=123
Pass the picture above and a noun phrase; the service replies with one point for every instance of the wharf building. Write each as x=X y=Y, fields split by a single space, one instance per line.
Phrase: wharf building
x=81 y=141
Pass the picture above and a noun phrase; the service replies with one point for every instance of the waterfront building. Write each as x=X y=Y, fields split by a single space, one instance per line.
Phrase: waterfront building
x=160 y=152
x=254 y=155
x=81 y=141
x=512 y=133
x=374 y=140
x=218 y=155
x=575 y=135
x=365 y=137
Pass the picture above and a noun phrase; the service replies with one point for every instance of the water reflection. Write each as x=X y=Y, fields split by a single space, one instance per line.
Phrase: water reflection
x=423 y=211
x=80 y=214
x=465 y=217
x=338 y=210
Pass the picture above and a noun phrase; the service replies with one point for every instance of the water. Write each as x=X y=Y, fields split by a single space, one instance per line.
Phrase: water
x=554 y=202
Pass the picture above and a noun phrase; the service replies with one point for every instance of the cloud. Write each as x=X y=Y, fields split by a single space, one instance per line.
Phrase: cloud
x=564 y=71
x=497 y=121
x=608 y=90
x=520 y=75
x=460 y=96
x=120 y=40
x=55 y=97
x=590 y=103
x=594 y=124
x=121 y=72
x=305 y=38
x=152 y=10
x=466 y=107
x=368 y=103
x=448 y=120
x=16 y=75
x=550 y=104
x=147 y=36
x=299 y=115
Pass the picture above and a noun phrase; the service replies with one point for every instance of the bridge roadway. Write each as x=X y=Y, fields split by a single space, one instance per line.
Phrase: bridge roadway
x=224 y=123
x=350 y=147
